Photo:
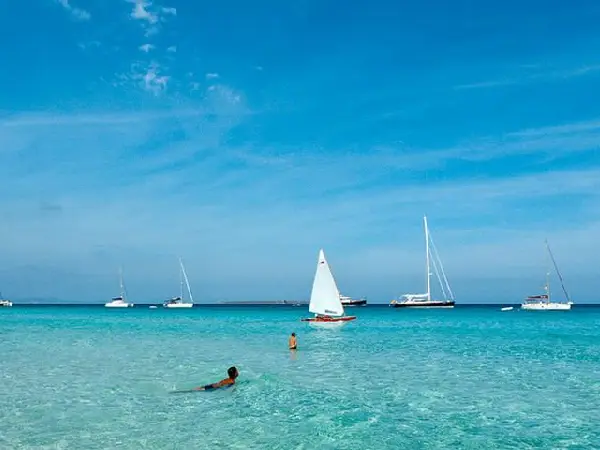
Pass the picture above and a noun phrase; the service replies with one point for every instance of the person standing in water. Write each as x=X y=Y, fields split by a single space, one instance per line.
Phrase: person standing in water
x=232 y=373
x=292 y=344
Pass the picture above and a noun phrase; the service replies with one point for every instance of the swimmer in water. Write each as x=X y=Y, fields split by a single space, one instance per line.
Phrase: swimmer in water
x=227 y=382
x=292 y=344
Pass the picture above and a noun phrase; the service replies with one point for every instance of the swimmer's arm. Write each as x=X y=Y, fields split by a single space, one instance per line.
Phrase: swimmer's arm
x=206 y=388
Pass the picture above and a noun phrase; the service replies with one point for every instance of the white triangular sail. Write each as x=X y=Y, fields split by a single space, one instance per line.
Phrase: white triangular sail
x=325 y=296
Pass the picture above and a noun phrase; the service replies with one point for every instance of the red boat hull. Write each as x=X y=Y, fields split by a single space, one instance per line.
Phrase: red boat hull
x=330 y=319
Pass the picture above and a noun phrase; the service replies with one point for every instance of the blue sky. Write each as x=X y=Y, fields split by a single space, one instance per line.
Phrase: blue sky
x=243 y=137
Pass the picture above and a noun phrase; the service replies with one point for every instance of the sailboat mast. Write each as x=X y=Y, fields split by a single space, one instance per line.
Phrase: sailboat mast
x=427 y=258
x=562 y=283
x=121 y=286
x=548 y=286
x=187 y=282
x=180 y=280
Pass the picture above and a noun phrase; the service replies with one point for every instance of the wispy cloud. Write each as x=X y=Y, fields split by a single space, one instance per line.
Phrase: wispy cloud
x=89 y=45
x=151 y=75
x=543 y=75
x=146 y=47
x=235 y=179
x=490 y=84
x=242 y=201
x=76 y=13
x=150 y=15
x=140 y=11
x=546 y=143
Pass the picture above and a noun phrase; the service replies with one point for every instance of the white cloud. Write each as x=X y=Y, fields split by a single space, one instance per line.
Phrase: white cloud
x=146 y=47
x=153 y=81
x=150 y=15
x=152 y=74
x=212 y=76
x=224 y=95
x=76 y=13
x=140 y=11
x=575 y=127
x=149 y=76
x=488 y=84
x=544 y=143
x=528 y=77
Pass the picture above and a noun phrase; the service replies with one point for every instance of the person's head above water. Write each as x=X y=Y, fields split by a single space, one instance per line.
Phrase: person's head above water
x=232 y=372
x=293 y=334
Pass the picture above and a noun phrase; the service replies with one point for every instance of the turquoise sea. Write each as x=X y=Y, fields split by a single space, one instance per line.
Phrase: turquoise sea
x=468 y=378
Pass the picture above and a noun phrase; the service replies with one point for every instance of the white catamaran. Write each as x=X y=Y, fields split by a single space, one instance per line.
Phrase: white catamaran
x=121 y=300
x=325 y=302
x=180 y=302
x=543 y=302
x=424 y=300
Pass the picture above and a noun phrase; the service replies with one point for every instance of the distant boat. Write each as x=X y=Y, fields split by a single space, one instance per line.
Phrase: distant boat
x=121 y=300
x=544 y=302
x=424 y=300
x=349 y=301
x=180 y=302
x=507 y=308
x=153 y=307
x=4 y=303
x=325 y=301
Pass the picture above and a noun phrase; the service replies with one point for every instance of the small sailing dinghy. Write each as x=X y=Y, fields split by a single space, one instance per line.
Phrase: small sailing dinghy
x=544 y=302
x=180 y=302
x=325 y=301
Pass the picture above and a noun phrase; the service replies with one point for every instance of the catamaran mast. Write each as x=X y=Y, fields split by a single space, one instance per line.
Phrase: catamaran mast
x=427 y=258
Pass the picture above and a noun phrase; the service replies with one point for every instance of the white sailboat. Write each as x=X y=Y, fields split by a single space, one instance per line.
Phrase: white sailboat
x=325 y=301
x=121 y=300
x=180 y=301
x=424 y=300
x=544 y=302
x=4 y=302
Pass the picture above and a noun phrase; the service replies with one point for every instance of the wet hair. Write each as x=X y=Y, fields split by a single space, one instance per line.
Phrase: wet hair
x=232 y=372
x=293 y=334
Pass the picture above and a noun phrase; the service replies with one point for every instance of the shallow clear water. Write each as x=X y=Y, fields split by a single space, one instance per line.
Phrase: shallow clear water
x=93 y=378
